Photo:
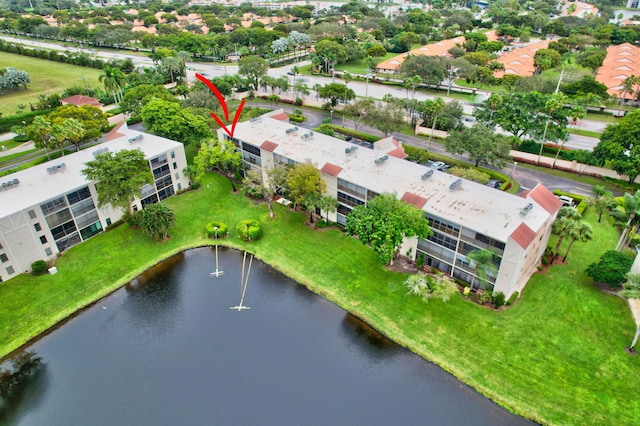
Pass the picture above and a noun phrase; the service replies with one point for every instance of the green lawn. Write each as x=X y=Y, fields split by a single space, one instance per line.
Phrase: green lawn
x=556 y=356
x=582 y=132
x=47 y=77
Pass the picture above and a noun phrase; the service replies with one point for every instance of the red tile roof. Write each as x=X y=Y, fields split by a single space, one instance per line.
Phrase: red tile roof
x=80 y=100
x=331 y=169
x=622 y=61
x=269 y=146
x=523 y=235
x=113 y=133
x=282 y=116
x=519 y=61
x=414 y=199
x=545 y=198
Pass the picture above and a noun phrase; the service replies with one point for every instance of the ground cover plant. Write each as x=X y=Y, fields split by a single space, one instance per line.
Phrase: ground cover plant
x=47 y=77
x=556 y=356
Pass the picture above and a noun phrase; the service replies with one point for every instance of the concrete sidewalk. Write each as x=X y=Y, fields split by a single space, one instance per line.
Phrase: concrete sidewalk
x=20 y=148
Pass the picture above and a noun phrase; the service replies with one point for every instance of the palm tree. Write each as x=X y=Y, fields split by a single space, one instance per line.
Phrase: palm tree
x=629 y=210
x=316 y=88
x=172 y=65
x=435 y=108
x=554 y=104
x=327 y=204
x=75 y=131
x=483 y=266
x=295 y=70
x=582 y=232
x=602 y=200
x=628 y=87
x=113 y=80
x=566 y=219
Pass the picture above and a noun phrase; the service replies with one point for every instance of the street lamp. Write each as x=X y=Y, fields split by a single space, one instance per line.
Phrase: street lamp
x=513 y=171
x=366 y=89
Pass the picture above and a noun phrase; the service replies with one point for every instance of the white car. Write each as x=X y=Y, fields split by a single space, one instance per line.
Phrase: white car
x=438 y=165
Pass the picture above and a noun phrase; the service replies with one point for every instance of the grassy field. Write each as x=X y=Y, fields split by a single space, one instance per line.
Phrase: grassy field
x=582 y=132
x=557 y=356
x=47 y=77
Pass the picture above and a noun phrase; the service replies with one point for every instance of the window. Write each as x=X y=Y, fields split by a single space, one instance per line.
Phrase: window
x=135 y=208
x=43 y=239
x=4 y=258
x=10 y=270
x=32 y=214
x=251 y=149
x=37 y=227
x=175 y=166
x=59 y=218
x=177 y=176
x=48 y=251
x=53 y=206
x=179 y=187
x=173 y=154
x=108 y=221
x=79 y=195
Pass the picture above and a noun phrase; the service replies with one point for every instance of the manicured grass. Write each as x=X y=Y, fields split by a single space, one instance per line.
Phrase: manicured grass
x=587 y=133
x=47 y=77
x=6 y=158
x=556 y=356
x=606 y=118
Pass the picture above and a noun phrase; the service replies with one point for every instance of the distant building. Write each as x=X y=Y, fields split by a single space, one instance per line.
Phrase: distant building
x=621 y=62
x=633 y=4
x=465 y=216
x=519 y=61
x=50 y=207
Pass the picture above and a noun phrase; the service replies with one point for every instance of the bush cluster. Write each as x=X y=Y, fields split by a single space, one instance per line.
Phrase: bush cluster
x=6 y=123
x=39 y=267
x=249 y=230
x=220 y=228
x=358 y=135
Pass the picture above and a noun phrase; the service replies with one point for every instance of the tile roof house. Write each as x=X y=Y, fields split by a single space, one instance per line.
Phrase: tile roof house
x=622 y=61
x=519 y=61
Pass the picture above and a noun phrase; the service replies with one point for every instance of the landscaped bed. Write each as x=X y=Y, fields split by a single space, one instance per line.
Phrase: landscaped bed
x=556 y=356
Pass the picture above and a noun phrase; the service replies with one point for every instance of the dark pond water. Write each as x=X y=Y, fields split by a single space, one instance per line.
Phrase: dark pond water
x=167 y=350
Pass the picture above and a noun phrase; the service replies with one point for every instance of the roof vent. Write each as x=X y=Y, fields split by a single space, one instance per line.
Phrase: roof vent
x=136 y=139
x=291 y=130
x=350 y=149
x=10 y=184
x=455 y=184
x=100 y=151
x=526 y=209
x=57 y=168
x=381 y=159
x=427 y=175
x=306 y=136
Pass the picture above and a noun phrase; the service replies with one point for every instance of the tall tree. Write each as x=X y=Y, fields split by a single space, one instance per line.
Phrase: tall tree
x=620 y=144
x=582 y=231
x=602 y=200
x=114 y=80
x=386 y=119
x=40 y=132
x=303 y=182
x=220 y=156
x=481 y=144
x=169 y=120
x=253 y=68
x=431 y=69
x=120 y=177
x=384 y=222
x=627 y=212
x=564 y=224
x=275 y=183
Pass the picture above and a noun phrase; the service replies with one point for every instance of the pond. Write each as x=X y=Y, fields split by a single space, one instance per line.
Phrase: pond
x=166 y=349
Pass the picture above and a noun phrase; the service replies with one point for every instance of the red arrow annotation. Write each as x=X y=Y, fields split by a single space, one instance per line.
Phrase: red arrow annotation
x=223 y=103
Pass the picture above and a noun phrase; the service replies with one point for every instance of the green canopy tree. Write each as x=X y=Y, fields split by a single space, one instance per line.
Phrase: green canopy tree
x=220 y=156
x=627 y=212
x=92 y=119
x=119 y=177
x=481 y=144
x=431 y=69
x=384 y=222
x=275 y=182
x=304 y=182
x=602 y=200
x=620 y=144
x=336 y=92
x=253 y=68
x=169 y=120
x=40 y=132
x=135 y=98
x=386 y=119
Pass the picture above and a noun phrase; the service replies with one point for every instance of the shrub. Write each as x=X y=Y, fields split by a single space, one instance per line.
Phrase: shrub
x=416 y=155
x=298 y=102
x=222 y=229
x=39 y=267
x=513 y=298
x=296 y=118
x=6 y=123
x=249 y=230
x=611 y=269
x=499 y=299
x=470 y=174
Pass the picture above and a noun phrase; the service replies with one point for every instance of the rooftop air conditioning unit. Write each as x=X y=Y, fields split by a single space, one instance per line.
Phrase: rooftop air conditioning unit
x=381 y=159
x=427 y=175
x=455 y=184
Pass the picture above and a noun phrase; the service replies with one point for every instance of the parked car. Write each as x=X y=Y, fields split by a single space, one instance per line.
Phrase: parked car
x=566 y=201
x=494 y=183
x=446 y=167
x=438 y=165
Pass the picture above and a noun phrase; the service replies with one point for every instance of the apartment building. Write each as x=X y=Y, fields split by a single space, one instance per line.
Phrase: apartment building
x=464 y=215
x=50 y=207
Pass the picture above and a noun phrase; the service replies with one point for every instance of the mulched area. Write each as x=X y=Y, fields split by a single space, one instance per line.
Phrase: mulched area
x=403 y=264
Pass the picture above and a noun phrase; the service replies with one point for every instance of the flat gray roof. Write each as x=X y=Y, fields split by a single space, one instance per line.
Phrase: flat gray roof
x=37 y=185
x=481 y=208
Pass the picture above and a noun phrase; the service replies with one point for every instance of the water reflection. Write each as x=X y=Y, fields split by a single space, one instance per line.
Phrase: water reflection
x=167 y=350
x=22 y=384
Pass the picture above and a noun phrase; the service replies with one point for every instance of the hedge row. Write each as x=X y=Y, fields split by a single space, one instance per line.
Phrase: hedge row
x=581 y=200
x=51 y=55
x=26 y=118
x=358 y=135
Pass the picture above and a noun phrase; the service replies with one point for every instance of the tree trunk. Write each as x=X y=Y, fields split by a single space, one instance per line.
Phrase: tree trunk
x=557 y=249
x=270 y=205
x=568 y=249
